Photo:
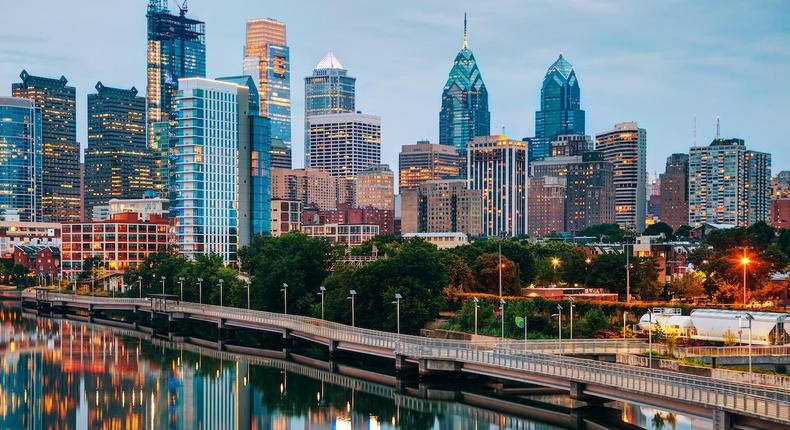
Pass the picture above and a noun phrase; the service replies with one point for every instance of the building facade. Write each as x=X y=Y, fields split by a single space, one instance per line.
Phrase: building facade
x=41 y=260
x=267 y=61
x=464 y=112
x=589 y=193
x=60 y=151
x=674 y=183
x=118 y=164
x=728 y=184
x=345 y=214
x=375 y=188
x=625 y=146
x=343 y=234
x=144 y=207
x=426 y=161
x=286 y=216
x=314 y=188
x=442 y=205
x=18 y=233
x=780 y=213
x=497 y=166
x=20 y=159
x=176 y=49
x=344 y=144
x=329 y=90
x=546 y=205
x=569 y=145
x=560 y=108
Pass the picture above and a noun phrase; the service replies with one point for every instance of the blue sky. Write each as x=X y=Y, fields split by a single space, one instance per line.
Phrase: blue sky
x=658 y=62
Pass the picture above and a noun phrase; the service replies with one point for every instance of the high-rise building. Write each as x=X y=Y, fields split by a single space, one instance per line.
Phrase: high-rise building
x=375 y=188
x=212 y=168
x=590 y=192
x=674 y=183
x=328 y=91
x=442 y=205
x=314 y=188
x=780 y=213
x=498 y=166
x=560 y=108
x=60 y=151
x=625 y=147
x=728 y=184
x=344 y=144
x=426 y=161
x=267 y=61
x=464 y=112
x=118 y=164
x=546 y=205
x=176 y=49
x=553 y=166
x=567 y=145
x=20 y=159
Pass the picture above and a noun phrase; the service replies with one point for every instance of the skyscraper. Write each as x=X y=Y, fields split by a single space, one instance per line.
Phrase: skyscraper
x=546 y=205
x=344 y=144
x=314 y=188
x=442 y=205
x=674 y=185
x=560 y=108
x=118 y=165
x=374 y=188
x=212 y=153
x=328 y=91
x=176 y=49
x=464 y=112
x=590 y=192
x=60 y=151
x=20 y=159
x=267 y=60
x=625 y=147
x=498 y=166
x=728 y=184
x=425 y=161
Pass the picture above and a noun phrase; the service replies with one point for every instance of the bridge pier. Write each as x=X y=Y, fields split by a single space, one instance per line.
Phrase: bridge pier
x=577 y=393
x=429 y=367
x=722 y=420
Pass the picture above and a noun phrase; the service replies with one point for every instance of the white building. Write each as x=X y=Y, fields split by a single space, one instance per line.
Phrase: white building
x=344 y=144
x=625 y=146
x=445 y=240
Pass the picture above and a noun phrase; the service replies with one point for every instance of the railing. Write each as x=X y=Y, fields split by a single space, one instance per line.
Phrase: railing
x=731 y=351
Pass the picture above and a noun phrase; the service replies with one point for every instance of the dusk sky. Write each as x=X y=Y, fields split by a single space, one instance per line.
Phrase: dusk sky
x=658 y=63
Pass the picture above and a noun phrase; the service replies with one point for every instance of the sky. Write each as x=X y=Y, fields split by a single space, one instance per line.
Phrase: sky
x=659 y=63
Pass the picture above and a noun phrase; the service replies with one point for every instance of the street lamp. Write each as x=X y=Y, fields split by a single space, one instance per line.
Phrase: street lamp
x=200 y=290
x=502 y=237
x=624 y=323
x=249 y=287
x=352 y=293
x=181 y=286
x=221 y=284
x=650 y=338
x=748 y=317
x=397 y=310
x=502 y=312
x=163 y=285
x=477 y=306
x=140 y=285
x=554 y=263
x=745 y=262
x=570 y=311
x=627 y=239
x=322 y=291
x=284 y=289
x=559 y=326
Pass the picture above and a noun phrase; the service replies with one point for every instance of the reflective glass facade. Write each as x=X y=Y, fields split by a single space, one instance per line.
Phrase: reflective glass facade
x=560 y=112
x=118 y=164
x=20 y=158
x=60 y=151
x=464 y=112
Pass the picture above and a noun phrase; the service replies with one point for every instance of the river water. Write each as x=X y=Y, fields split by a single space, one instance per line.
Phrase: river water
x=64 y=374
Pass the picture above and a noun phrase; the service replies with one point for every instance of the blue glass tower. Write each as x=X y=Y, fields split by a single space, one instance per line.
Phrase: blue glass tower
x=560 y=111
x=464 y=113
x=20 y=159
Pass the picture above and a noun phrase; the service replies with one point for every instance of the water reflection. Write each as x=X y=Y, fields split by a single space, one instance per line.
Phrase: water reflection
x=61 y=374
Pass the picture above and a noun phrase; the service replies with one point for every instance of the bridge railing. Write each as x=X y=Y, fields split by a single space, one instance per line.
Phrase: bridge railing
x=731 y=351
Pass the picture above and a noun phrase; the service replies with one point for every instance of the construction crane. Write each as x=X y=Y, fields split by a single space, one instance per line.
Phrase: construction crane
x=182 y=7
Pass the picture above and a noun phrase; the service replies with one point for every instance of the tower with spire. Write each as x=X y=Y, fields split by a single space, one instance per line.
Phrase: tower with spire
x=464 y=112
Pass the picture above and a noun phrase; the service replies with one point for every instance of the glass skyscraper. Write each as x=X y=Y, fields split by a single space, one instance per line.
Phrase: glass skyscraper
x=176 y=49
x=560 y=112
x=60 y=151
x=118 y=165
x=464 y=113
x=329 y=90
x=267 y=61
x=20 y=158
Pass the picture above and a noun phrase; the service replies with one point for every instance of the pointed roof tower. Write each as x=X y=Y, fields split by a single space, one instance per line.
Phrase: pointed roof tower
x=466 y=40
x=329 y=62
x=562 y=66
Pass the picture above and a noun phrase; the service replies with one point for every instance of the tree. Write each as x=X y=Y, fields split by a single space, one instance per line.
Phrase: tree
x=487 y=271
x=606 y=232
x=460 y=277
x=644 y=279
x=689 y=286
x=660 y=228
x=607 y=271
x=594 y=321
x=683 y=232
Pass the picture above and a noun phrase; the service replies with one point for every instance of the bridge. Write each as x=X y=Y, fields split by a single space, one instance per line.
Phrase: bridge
x=543 y=363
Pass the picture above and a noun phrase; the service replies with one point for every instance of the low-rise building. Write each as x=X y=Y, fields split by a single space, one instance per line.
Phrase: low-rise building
x=286 y=216
x=17 y=233
x=445 y=240
x=41 y=260
x=342 y=234
x=345 y=214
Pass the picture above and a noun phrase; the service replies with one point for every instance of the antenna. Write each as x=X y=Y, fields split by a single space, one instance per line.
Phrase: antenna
x=503 y=129
x=466 y=41
x=718 y=128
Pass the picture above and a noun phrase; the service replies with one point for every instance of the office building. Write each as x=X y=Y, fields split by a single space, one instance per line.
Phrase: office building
x=314 y=188
x=374 y=188
x=267 y=61
x=286 y=216
x=674 y=185
x=497 y=166
x=118 y=164
x=589 y=192
x=568 y=145
x=344 y=144
x=625 y=146
x=464 y=112
x=60 y=151
x=442 y=205
x=176 y=49
x=728 y=184
x=345 y=214
x=780 y=213
x=426 y=161
x=552 y=166
x=546 y=205
x=20 y=159
x=329 y=90
x=560 y=108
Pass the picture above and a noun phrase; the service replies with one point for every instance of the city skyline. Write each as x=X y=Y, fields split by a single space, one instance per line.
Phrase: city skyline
x=704 y=68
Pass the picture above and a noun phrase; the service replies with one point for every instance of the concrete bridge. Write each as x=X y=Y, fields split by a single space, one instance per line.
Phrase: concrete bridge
x=730 y=405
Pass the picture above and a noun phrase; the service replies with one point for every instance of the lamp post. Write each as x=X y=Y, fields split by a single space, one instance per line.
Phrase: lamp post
x=163 y=285
x=650 y=338
x=477 y=306
x=181 y=286
x=284 y=289
x=627 y=239
x=140 y=285
x=624 y=323
x=748 y=317
x=351 y=296
x=554 y=263
x=221 y=284
x=249 y=287
x=570 y=311
x=322 y=291
x=502 y=237
x=502 y=312
x=559 y=326
x=745 y=262
x=397 y=310
x=200 y=290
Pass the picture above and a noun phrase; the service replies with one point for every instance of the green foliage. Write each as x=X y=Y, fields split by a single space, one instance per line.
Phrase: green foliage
x=91 y=268
x=15 y=274
x=658 y=229
x=683 y=232
x=460 y=277
x=487 y=271
x=594 y=321
x=605 y=232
